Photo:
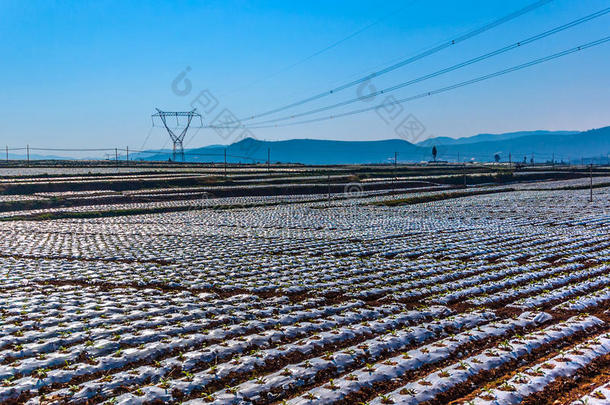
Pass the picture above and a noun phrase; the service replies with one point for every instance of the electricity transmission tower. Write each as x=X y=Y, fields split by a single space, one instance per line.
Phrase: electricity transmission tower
x=177 y=138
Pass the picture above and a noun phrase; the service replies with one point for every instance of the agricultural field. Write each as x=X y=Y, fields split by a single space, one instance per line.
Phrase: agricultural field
x=302 y=285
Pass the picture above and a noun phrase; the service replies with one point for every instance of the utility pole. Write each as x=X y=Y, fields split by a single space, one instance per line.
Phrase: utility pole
x=464 y=174
x=7 y=153
x=116 y=157
x=591 y=183
x=225 y=163
x=510 y=161
x=458 y=157
x=269 y=160
x=28 y=153
x=127 y=159
x=394 y=179
x=553 y=160
x=328 y=182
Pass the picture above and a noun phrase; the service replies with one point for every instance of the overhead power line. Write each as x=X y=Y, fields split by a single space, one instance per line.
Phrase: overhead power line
x=407 y=61
x=327 y=48
x=70 y=149
x=132 y=151
x=488 y=55
x=445 y=89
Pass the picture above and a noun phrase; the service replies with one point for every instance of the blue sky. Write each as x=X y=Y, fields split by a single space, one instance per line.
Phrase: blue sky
x=89 y=74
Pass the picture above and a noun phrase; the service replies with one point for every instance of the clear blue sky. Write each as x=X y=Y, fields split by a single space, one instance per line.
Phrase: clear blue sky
x=90 y=73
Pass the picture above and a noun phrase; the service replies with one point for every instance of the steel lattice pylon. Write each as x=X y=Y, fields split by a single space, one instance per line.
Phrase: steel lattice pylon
x=177 y=139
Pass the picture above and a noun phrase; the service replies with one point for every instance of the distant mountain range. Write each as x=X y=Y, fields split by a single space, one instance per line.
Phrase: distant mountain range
x=542 y=146
x=443 y=140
